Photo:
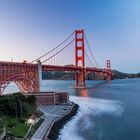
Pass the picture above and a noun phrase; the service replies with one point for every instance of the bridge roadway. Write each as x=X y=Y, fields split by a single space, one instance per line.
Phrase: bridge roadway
x=28 y=77
x=71 y=68
x=11 y=67
x=52 y=113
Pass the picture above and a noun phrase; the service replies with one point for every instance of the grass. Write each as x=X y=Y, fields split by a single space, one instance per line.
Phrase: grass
x=20 y=129
x=16 y=127
x=1 y=125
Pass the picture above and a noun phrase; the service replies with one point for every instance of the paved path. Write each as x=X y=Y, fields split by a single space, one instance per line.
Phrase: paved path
x=51 y=113
x=3 y=133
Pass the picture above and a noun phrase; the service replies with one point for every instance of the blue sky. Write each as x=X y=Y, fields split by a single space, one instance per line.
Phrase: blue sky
x=29 y=28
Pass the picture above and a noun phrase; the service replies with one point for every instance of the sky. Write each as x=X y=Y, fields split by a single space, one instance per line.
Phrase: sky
x=30 y=28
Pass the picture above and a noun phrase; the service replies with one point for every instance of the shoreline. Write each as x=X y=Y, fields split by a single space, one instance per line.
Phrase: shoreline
x=60 y=122
x=55 y=117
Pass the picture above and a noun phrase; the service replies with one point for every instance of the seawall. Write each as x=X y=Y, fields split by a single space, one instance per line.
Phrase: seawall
x=60 y=122
x=55 y=116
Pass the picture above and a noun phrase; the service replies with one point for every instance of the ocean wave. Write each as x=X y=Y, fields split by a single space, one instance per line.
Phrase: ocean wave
x=90 y=108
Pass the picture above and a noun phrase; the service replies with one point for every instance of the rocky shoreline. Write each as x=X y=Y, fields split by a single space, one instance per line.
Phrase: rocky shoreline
x=59 y=124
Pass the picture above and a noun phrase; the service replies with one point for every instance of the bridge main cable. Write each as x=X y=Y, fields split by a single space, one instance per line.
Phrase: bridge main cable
x=91 y=51
x=58 y=51
x=89 y=59
x=53 y=48
x=44 y=55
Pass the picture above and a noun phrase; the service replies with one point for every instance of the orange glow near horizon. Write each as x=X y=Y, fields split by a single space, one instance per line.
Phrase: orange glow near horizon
x=84 y=93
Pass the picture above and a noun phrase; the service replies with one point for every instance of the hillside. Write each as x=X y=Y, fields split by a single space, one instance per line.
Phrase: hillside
x=59 y=75
x=119 y=75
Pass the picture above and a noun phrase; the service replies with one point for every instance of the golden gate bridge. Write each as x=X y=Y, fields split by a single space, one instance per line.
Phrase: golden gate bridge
x=28 y=75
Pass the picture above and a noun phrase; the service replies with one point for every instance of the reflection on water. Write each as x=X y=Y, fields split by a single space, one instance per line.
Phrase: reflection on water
x=94 y=87
x=100 y=87
x=81 y=92
x=84 y=93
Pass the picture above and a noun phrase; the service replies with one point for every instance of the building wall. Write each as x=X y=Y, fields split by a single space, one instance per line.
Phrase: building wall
x=50 y=98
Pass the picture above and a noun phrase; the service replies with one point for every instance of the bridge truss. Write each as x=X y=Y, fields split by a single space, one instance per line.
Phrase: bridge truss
x=28 y=77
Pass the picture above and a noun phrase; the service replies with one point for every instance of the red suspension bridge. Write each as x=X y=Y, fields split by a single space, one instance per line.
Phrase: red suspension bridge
x=28 y=76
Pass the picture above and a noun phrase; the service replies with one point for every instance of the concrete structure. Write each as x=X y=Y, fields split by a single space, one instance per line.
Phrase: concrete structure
x=52 y=113
x=3 y=133
x=39 y=75
x=50 y=98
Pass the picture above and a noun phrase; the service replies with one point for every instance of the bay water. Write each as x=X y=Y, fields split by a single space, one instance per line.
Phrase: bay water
x=108 y=110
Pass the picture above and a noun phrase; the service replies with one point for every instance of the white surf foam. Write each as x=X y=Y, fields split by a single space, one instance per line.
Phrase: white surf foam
x=89 y=106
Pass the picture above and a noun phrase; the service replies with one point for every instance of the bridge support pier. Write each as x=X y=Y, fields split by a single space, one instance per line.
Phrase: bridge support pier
x=39 y=75
x=79 y=59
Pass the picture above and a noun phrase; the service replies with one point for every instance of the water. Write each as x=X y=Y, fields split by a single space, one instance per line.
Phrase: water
x=108 y=111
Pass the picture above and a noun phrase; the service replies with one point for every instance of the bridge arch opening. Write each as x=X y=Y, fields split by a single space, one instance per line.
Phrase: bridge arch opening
x=19 y=83
x=12 y=87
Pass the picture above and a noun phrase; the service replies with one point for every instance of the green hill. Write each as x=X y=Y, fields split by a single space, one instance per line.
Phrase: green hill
x=61 y=75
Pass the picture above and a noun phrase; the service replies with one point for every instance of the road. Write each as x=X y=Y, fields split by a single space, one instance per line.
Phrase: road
x=51 y=113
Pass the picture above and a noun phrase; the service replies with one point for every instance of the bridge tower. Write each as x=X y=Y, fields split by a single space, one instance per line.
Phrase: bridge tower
x=108 y=66
x=79 y=58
